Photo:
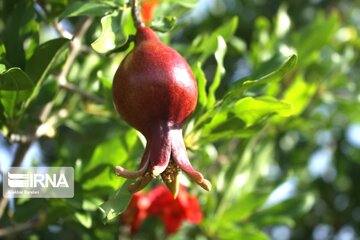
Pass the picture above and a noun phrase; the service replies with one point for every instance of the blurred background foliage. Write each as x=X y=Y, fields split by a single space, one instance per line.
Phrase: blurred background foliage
x=276 y=130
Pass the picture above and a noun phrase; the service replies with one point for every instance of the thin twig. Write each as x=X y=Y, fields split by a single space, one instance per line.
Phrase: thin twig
x=18 y=228
x=135 y=13
x=85 y=94
x=18 y=158
x=3 y=204
x=75 y=48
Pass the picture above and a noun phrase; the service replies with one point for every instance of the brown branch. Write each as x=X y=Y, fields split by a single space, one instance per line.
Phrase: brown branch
x=19 y=228
x=23 y=146
x=18 y=158
x=135 y=13
x=3 y=205
x=85 y=94
x=75 y=48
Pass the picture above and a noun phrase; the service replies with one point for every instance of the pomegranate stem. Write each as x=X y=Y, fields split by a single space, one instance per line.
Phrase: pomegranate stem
x=135 y=13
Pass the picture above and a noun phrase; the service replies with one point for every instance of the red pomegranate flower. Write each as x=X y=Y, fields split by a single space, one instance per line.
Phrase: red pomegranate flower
x=159 y=202
x=147 y=10
x=136 y=212
x=173 y=212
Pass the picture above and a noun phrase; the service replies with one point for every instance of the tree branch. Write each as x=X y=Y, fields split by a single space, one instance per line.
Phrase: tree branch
x=18 y=158
x=19 y=227
x=135 y=13
x=23 y=146
x=85 y=94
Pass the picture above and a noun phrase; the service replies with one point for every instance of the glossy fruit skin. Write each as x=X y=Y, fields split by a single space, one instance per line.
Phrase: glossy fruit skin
x=154 y=91
x=154 y=86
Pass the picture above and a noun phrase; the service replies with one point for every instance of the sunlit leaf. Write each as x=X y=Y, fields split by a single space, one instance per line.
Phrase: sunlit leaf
x=19 y=26
x=15 y=79
x=117 y=203
x=88 y=8
x=251 y=110
x=185 y=3
x=284 y=212
x=246 y=205
x=239 y=87
x=220 y=71
x=115 y=32
x=244 y=232
x=84 y=219
x=100 y=169
x=313 y=37
x=210 y=44
x=2 y=52
x=106 y=40
x=15 y=88
x=44 y=57
x=42 y=61
x=300 y=93
x=201 y=82
x=164 y=24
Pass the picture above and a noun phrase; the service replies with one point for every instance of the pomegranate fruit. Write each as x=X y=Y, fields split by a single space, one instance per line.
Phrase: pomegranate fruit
x=154 y=90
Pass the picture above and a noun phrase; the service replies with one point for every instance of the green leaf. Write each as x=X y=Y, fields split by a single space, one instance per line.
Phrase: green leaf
x=44 y=57
x=220 y=71
x=251 y=110
x=247 y=232
x=300 y=93
x=284 y=212
x=210 y=44
x=84 y=219
x=106 y=40
x=309 y=40
x=14 y=79
x=88 y=8
x=164 y=24
x=246 y=205
x=239 y=87
x=115 y=32
x=2 y=52
x=99 y=171
x=15 y=89
x=20 y=25
x=201 y=82
x=117 y=203
x=184 y=3
x=245 y=168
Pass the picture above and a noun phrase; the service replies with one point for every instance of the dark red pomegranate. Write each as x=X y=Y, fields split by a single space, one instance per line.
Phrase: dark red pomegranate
x=155 y=91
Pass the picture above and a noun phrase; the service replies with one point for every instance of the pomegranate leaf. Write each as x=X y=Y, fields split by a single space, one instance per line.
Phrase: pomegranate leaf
x=88 y=8
x=117 y=202
x=284 y=212
x=300 y=93
x=116 y=30
x=15 y=89
x=15 y=79
x=251 y=110
x=84 y=218
x=20 y=25
x=201 y=81
x=238 y=87
x=184 y=3
x=42 y=61
x=44 y=58
x=164 y=24
x=220 y=70
x=209 y=44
